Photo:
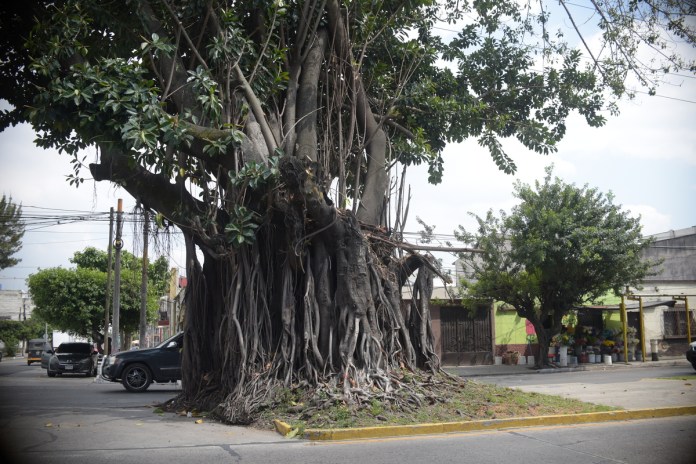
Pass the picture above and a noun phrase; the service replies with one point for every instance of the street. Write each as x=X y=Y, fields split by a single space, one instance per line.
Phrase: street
x=75 y=420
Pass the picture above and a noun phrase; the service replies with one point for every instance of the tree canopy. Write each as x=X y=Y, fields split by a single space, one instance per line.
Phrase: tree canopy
x=11 y=232
x=12 y=332
x=72 y=300
x=274 y=135
x=561 y=247
x=158 y=270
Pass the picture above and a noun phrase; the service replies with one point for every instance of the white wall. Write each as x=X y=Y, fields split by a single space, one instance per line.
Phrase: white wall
x=63 y=337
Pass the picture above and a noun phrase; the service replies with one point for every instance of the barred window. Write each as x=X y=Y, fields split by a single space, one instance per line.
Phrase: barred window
x=675 y=323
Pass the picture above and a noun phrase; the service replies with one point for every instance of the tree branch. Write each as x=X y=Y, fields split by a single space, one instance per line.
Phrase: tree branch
x=376 y=181
x=154 y=191
x=307 y=99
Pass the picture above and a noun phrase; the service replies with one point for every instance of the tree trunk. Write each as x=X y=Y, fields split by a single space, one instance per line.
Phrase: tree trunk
x=544 y=335
x=311 y=302
x=543 y=340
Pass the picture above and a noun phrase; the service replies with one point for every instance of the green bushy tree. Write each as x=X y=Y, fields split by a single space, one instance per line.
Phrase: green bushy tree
x=11 y=232
x=72 y=300
x=560 y=247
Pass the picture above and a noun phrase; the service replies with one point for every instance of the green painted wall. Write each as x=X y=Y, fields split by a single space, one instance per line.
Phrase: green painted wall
x=612 y=319
x=510 y=329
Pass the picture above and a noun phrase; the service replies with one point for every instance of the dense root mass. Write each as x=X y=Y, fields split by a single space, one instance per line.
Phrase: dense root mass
x=311 y=302
x=326 y=404
x=408 y=391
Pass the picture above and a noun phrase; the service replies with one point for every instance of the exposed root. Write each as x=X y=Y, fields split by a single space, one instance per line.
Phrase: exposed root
x=327 y=403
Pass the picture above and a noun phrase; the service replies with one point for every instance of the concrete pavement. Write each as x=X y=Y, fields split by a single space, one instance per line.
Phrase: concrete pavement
x=505 y=369
x=628 y=386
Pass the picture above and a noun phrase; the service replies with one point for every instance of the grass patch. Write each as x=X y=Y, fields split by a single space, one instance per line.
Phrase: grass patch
x=439 y=399
x=691 y=377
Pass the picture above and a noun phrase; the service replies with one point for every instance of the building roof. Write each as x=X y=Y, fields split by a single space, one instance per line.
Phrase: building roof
x=674 y=234
x=630 y=305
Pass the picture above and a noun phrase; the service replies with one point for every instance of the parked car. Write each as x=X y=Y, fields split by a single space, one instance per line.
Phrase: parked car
x=46 y=357
x=73 y=358
x=691 y=354
x=137 y=369
x=35 y=349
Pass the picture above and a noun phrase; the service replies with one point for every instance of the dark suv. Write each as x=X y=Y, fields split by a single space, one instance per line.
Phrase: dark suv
x=137 y=369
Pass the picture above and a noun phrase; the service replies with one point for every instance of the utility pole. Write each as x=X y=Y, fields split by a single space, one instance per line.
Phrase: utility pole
x=108 y=282
x=143 y=285
x=118 y=244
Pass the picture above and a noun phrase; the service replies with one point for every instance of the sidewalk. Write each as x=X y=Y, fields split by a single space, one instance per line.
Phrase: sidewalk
x=506 y=369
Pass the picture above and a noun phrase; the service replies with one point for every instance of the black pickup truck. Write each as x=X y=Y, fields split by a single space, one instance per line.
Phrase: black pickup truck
x=137 y=369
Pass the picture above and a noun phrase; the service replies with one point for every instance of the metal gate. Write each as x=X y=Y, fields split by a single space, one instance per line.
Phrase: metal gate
x=466 y=336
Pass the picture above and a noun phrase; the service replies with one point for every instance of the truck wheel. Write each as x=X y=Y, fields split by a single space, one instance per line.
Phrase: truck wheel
x=136 y=378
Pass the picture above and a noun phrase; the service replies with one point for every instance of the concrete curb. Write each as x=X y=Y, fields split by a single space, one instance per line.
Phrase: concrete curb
x=484 y=425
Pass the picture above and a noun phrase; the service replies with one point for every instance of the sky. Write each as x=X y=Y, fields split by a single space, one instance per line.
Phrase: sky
x=646 y=156
x=36 y=178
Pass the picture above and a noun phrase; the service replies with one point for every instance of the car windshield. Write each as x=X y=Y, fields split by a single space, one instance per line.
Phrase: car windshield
x=82 y=348
x=166 y=342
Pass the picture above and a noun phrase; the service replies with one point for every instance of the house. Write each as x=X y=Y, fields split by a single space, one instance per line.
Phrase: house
x=675 y=279
x=663 y=297
x=171 y=311
x=15 y=305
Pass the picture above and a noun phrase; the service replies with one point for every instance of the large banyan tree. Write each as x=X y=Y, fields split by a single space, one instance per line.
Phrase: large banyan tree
x=274 y=135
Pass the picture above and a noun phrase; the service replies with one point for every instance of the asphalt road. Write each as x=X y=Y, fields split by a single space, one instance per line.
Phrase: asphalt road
x=74 y=420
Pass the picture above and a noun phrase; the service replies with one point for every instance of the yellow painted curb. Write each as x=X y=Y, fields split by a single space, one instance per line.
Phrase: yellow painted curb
x=282 y=428
x=494 y=424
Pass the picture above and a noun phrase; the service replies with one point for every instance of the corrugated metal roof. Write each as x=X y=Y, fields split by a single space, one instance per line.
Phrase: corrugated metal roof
x=630 y=305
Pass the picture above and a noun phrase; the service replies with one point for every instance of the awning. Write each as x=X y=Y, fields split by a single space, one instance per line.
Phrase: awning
x=630 y=305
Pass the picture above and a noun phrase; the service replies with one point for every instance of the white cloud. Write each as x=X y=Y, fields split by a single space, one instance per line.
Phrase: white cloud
x=652 y=220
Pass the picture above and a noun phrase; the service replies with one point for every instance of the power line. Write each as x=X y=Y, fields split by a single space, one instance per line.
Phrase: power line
x=664 y=96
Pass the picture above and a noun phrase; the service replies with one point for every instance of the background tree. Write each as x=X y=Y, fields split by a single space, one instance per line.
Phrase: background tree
x=158 y=270
x=72 y=300
x=562 y=246
x=11 y=232
x=13 y=332
x=266 y=131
